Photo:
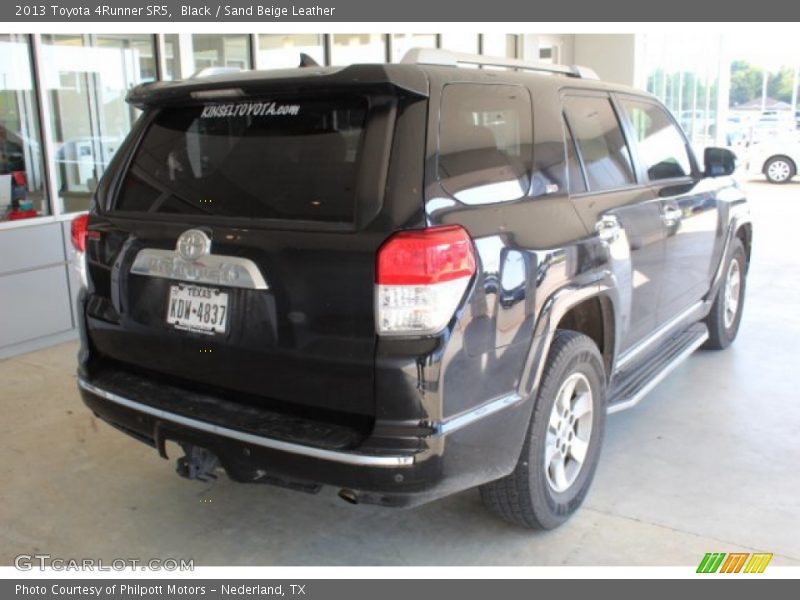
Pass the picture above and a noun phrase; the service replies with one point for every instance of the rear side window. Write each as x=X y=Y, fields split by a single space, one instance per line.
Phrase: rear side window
x=605 y=156
x=293 y=159
x=661 y=146
x=485 y=134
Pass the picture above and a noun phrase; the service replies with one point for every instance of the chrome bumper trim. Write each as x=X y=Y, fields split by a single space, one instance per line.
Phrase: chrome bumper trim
x=484 y=410
x=349 y=458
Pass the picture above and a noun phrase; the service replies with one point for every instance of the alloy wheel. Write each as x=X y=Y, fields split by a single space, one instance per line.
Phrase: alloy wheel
x=733 y=282
x=568 y=433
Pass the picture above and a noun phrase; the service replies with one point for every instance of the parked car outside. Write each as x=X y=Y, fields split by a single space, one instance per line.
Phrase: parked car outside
x=776 y=160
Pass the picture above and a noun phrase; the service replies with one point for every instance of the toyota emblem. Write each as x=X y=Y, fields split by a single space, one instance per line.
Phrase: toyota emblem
x=193 y=244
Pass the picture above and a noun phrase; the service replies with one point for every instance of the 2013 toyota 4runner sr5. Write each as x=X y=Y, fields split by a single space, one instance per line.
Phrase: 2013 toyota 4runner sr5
x=404 y=280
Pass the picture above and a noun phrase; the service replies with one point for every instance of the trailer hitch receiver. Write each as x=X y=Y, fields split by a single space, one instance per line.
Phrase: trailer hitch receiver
x=197 y=463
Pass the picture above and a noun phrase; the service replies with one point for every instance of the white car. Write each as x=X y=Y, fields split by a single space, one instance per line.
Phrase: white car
x=778 y=159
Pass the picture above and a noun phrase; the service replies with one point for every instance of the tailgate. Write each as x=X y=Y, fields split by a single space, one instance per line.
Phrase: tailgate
x=240 y=251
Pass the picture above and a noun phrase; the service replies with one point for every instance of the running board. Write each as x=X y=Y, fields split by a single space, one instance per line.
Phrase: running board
x=636 y=381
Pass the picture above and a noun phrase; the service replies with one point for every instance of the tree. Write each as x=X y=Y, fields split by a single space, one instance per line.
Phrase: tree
x=780 y=85
x=746 y=82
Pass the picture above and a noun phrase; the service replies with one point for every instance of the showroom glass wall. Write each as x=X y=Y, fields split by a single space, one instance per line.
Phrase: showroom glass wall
x=690 y=75
x=22 y=184
x=85 y=79
x=62 y=96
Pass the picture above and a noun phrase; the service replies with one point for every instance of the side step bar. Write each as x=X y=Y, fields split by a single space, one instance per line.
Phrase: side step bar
x=636 y=381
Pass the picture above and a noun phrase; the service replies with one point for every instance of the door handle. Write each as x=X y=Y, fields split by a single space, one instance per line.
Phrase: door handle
x=608 y=228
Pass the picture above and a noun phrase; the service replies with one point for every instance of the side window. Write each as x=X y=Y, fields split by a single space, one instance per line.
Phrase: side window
x=661 y=146
x=485 y=134
x=602 y=147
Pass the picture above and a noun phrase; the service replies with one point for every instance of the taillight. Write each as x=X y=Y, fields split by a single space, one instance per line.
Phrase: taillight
x=78 y=229
x=421 y=278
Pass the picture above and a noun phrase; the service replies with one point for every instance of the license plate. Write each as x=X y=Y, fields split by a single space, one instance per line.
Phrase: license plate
x=197 y=308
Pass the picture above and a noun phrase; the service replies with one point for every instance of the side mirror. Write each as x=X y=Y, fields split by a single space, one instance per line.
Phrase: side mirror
x=719 y=162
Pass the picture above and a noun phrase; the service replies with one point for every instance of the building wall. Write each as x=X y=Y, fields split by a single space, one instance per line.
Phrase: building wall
x=612 y=56
x=38 y=286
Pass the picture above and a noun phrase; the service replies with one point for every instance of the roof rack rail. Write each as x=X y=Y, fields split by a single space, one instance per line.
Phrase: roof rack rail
x=211 y=71
x=446 y=58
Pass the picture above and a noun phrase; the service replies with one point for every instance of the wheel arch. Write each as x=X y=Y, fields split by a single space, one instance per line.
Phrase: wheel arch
x=744 y=233
x=588 y=310
x=594 y=318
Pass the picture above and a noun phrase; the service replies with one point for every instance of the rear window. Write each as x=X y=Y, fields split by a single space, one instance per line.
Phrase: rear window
x=293 y=159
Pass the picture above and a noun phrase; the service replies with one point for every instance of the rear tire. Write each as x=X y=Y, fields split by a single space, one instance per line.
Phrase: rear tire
x=726 y=313
x=549 y=482
x=780 y=169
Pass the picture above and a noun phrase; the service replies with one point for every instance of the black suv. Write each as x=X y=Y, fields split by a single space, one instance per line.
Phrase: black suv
x=404 y=280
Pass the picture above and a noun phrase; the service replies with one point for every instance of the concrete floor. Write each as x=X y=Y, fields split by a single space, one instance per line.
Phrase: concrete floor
x=708 y=462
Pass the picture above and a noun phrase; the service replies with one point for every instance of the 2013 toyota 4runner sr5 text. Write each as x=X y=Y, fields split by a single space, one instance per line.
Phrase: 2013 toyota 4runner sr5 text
x=403 y=280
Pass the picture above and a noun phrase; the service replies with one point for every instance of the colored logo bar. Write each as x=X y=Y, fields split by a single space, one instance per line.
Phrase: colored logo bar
x=734 y=562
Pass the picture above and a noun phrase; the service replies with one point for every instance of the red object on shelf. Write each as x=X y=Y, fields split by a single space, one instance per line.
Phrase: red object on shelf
x=16 y=215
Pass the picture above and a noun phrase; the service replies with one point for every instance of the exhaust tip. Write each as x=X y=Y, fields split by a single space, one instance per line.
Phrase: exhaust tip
x=348 y=496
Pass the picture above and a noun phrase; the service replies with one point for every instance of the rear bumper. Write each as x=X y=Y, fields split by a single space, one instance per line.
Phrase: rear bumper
x=404 y=468
x=161 y=415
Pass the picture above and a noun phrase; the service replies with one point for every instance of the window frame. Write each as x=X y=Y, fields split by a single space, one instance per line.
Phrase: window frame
x=615 y=108
x=633 y=142
x=569 y=142
x=439 y=112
